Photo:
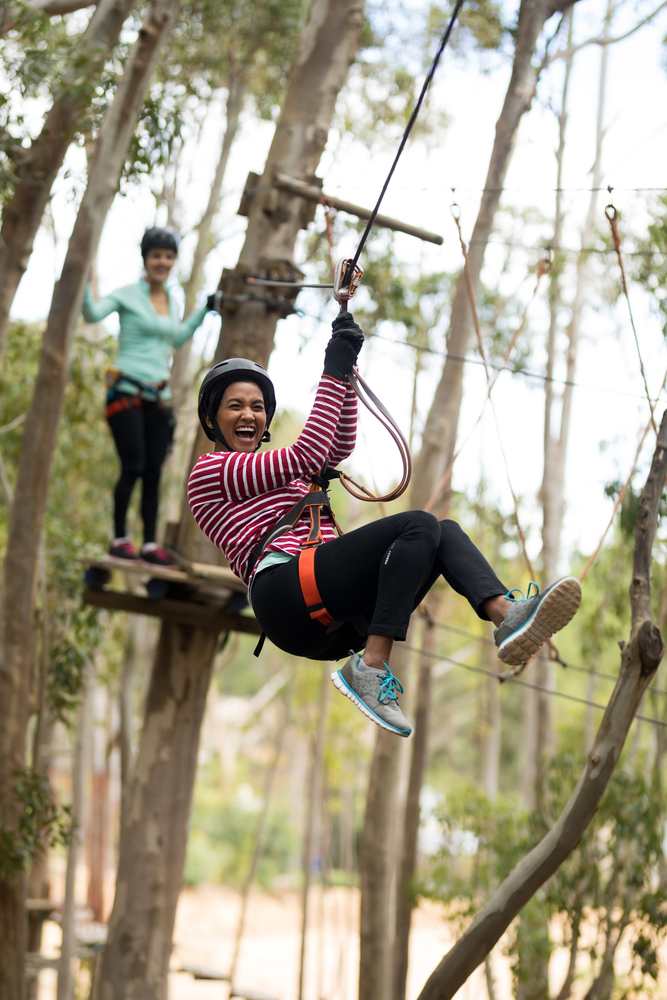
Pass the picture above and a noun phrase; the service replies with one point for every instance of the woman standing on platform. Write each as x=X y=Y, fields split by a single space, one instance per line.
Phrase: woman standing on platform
x=138 y=409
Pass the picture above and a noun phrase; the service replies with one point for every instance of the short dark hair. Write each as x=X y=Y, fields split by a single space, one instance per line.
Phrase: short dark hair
x=159 y=239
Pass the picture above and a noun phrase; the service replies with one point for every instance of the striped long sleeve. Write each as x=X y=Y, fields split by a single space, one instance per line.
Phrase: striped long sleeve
x=235 y=498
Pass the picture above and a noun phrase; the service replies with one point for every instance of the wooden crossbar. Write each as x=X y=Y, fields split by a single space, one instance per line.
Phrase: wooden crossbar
x=181 y=612
x=312 y=193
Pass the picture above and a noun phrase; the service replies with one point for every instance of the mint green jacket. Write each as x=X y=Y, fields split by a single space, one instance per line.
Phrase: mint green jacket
x=146 y=339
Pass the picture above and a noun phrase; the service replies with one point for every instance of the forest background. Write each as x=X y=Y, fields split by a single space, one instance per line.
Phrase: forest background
x=482 y=798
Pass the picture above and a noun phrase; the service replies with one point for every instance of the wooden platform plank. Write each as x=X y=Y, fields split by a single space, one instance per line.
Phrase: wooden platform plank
x=182 y=612
x=200 y=572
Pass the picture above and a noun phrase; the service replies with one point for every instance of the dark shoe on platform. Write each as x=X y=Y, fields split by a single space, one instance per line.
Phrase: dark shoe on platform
x=157 y=557
x=123 y=550
x=534 y=619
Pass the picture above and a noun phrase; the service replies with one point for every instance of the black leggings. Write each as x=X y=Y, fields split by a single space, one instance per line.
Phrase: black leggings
x=142 y=435
x=380 y=572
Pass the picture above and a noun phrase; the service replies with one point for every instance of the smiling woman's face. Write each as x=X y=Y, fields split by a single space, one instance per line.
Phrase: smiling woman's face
x=241 y=416
x=158 y=264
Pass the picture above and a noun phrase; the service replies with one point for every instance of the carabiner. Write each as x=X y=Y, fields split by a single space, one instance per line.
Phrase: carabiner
x=344 y=292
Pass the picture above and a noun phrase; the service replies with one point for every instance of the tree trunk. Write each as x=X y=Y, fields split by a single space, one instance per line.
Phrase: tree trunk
x=195 y=282
x=22 y=215
x=319 y=70
x=153 y=835
x=539 y=734
x=639 y=660
x=314 y=797
x=439 y=438
x=97 y=839
x=258 y=844
x=411 y=814
x=38 y=443
x=80 y=770
x=566 y=988
x=378 y=856
x=440 y=430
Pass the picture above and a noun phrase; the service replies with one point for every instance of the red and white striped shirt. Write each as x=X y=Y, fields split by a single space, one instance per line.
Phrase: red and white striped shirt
x=235 y=497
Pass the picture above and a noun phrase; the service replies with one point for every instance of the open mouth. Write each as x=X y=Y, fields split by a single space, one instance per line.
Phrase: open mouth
x=245 y=434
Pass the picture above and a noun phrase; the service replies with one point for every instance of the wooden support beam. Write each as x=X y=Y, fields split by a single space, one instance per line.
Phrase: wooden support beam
x=312 y=193
x=182 y=612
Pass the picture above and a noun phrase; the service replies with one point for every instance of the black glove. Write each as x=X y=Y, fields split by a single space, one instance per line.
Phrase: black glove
x=344 y=326
x=214 y=301
x=341 y=352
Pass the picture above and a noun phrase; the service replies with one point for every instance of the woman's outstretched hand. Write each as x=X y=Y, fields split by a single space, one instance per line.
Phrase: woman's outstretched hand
x=342 y=351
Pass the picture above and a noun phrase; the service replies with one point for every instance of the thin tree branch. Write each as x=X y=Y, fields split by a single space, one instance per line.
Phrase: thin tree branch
x=12 y=15
x=571 y=50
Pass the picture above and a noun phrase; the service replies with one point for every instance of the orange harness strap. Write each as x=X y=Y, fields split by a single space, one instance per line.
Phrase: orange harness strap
x=311 y=595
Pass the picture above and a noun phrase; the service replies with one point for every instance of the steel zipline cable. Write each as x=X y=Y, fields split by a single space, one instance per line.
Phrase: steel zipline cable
x=534 y=687
x=406 y=134
x=347 y=276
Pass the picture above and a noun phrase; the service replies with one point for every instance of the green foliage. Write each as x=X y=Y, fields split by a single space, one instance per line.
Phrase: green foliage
x=220 y=40
x=222 y=839
x=616 y=871
x=159 y=129
x=479 y=26
x=651 y=269
x=79 y=499
x=41 y=824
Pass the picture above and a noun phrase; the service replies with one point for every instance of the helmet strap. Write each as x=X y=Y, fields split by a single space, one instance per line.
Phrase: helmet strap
x=218 y=433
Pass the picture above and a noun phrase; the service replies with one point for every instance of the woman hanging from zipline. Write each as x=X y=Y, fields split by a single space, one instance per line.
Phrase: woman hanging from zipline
x=324 y=596
x=138 y=408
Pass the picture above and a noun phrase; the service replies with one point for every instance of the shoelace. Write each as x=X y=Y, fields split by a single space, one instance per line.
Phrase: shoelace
x=524 y=597
x=390 y=686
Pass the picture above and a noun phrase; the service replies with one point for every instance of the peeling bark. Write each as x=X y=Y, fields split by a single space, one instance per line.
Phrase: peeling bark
x=639 y=660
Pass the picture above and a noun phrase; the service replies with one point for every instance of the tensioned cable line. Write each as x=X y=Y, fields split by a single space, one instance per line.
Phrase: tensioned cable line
x=507 y=368
x=408 y=128
x=535 y=687
x=558 y=659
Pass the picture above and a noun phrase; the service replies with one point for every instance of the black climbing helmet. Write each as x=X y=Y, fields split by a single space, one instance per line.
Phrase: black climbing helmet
x=213 y=387
x=159 y=239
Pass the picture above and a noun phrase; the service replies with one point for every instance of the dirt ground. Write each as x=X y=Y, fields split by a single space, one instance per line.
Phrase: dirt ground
x=268 y=965
x=269 y=956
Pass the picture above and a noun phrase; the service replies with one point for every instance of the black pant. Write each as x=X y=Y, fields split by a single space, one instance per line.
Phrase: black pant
x=380 y=572
x=142 y=434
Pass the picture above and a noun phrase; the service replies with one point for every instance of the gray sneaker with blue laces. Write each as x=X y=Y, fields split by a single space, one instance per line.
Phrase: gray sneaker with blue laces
x=535 y=618
x=374 y=693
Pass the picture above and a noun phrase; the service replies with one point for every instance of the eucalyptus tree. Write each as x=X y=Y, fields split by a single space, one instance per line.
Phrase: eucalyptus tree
x=26 y=521
x=150 y=869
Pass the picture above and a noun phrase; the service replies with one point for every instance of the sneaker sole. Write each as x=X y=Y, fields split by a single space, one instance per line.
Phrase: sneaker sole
x=551 y=615
x=341 y=684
